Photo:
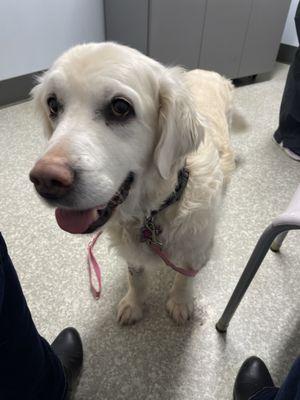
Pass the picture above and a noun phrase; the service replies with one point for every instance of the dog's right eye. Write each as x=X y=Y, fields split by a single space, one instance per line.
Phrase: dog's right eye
x=53 y=105
x=118 y=111
x=120 y=107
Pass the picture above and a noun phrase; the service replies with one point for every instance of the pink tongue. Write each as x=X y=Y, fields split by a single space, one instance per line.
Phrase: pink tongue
x=75 y=221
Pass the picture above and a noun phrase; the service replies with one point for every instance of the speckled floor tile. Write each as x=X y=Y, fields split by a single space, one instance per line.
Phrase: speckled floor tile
x=155 y=359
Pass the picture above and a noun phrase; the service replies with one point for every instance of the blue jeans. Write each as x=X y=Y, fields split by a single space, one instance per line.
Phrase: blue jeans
x=29 y=369
x=289 y=390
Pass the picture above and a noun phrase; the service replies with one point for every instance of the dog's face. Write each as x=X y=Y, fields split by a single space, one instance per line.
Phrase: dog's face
x=110 y=114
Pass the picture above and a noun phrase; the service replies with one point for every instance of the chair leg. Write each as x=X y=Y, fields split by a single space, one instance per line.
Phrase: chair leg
x=250 y=270
x=277 y=242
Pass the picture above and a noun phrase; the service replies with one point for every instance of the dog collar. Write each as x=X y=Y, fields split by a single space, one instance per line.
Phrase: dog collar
x=150 y=232
x=183 y=177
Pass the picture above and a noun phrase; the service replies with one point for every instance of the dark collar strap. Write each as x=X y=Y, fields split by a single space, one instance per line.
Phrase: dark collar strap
x=150 y=231
x=183 y=177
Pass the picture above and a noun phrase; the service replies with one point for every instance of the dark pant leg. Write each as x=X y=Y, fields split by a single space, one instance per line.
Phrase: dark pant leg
x=288 y=131
x=289 y=390
x=29 y=370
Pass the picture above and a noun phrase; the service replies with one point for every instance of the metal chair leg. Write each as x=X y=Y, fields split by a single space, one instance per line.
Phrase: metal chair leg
x=277 y=242
x=250 y=270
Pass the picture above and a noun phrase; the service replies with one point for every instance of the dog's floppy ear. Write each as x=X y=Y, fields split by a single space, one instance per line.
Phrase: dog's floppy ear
x=180 y=125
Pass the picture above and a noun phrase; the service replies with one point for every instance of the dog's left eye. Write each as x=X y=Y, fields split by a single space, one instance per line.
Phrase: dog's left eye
x=53 y=105
x=121 y=107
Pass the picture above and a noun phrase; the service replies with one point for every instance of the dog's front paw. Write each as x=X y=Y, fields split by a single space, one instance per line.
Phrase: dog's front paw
x=180 y=309
x=130 y=310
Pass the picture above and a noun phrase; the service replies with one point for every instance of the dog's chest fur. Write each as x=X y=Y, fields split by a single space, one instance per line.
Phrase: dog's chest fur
x=187 y=226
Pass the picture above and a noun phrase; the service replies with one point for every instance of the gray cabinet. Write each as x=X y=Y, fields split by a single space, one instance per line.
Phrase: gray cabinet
x=126 y=22
x=236 y=38
x=175 y=31
x=262 y=41
x=224 y=36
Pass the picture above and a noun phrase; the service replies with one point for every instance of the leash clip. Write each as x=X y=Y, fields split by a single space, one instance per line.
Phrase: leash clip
x=150 y=232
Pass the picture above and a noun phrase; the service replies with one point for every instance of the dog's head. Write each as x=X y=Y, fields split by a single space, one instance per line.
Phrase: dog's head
x=110 y=114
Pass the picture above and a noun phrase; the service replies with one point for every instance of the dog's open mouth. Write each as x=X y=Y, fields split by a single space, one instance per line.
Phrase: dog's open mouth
x=87 y=221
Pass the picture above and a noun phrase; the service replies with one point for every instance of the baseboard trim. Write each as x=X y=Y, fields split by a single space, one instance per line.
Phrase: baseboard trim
x=286 y=53
x=17 y=89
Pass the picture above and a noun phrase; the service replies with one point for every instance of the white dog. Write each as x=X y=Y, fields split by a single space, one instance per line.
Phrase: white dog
x=124 y=132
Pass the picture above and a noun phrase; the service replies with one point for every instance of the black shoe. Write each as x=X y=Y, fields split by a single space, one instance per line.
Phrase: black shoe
x=252 y=377
x=68 y=348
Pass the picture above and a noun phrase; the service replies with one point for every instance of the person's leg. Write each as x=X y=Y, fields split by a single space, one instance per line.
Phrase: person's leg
x=288 y=132
x=289 y=390
x=29 y=369
x=254 y=382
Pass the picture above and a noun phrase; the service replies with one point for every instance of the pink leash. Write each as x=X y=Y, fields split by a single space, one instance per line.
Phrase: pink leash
x=187 y=272
x=93 y=265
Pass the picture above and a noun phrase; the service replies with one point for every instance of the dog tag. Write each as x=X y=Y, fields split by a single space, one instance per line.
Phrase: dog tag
x=150 y=232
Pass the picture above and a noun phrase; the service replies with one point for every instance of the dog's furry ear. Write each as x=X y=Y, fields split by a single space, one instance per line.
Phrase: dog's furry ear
x=181 y=128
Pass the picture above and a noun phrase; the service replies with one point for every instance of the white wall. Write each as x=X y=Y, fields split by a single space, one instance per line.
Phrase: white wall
x=289 y=34
x=34 y=32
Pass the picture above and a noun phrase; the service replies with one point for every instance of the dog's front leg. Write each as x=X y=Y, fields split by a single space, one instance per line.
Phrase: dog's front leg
x=180 y=304
x=130 y=308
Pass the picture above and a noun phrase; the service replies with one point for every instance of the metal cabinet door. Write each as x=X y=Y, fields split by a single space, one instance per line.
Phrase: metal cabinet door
x=127 y=22
x=175 y=31
x=224 y=35
x=265 y=29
